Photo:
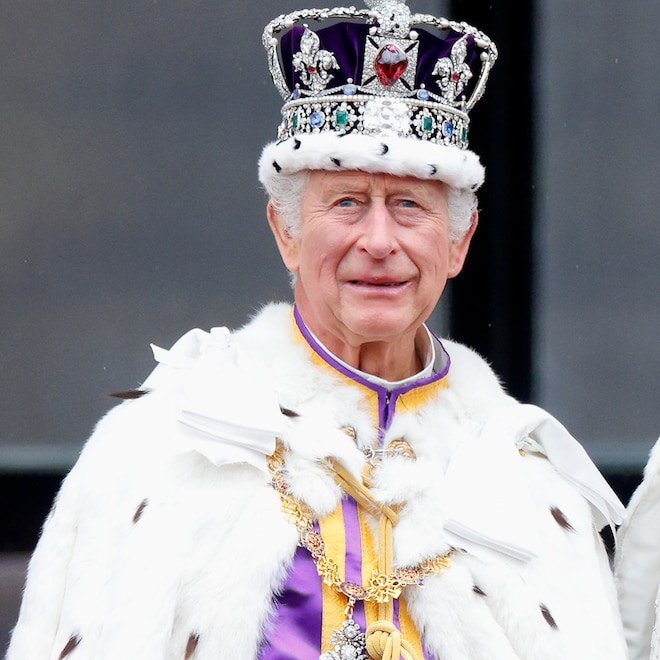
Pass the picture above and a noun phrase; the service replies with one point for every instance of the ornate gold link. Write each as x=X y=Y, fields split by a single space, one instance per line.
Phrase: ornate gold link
x=402 y=448
x=437 y=564
x=276 y=459
x=295 y=513
x=328 y=570
x=382 y=588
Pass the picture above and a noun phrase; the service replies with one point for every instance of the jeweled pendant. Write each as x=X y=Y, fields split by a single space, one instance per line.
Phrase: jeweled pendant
x=348 y=643
x=390 y=64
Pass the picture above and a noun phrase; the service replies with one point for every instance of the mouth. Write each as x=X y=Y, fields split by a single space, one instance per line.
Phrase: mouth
x=378 y=283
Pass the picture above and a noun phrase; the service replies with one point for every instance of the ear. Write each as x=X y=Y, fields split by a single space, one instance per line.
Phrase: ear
x=459 y=249
x=286 y=244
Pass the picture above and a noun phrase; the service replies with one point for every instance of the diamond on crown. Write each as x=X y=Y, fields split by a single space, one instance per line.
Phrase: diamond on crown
x=453 y=71
x=383 y=116
x=392 y=16
x=313 y=62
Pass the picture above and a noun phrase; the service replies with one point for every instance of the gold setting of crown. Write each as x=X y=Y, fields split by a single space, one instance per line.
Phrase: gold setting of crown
x=377 y=71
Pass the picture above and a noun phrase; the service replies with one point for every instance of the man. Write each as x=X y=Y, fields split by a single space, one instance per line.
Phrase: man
x=332 y=481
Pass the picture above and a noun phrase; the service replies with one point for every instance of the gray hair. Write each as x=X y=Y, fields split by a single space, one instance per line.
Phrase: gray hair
x=286 y=193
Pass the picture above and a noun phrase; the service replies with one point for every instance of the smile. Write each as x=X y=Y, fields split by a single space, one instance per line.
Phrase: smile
x=377 y=284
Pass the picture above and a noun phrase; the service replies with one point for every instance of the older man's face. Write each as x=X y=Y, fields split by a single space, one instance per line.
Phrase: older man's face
x=372 y=257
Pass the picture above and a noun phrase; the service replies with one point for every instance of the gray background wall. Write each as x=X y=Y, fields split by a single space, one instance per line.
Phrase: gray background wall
x=598 y=223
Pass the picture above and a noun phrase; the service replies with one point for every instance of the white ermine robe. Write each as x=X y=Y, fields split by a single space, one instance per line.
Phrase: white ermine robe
x=167 y=542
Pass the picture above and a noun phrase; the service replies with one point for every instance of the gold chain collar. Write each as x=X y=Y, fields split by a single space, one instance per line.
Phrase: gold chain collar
x=382 y=587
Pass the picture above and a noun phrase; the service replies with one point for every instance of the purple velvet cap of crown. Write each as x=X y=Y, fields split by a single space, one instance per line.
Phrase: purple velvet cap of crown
x=347 y=42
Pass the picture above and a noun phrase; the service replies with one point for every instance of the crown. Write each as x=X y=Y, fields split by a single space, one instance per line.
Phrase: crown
x=381 y=71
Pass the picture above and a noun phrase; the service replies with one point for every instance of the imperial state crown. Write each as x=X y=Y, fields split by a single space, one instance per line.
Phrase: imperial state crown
x=378 y=72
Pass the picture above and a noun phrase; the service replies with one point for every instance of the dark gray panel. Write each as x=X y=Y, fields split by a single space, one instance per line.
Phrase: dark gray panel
x=598 y=311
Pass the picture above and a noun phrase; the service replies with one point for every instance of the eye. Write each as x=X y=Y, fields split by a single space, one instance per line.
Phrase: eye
x=346 y=201
x=408 y=204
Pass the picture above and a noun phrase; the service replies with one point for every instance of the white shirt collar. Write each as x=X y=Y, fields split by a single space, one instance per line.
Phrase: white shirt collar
x=429 y=364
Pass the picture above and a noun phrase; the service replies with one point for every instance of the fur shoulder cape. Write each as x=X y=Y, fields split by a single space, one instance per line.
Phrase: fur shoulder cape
x=166 y=542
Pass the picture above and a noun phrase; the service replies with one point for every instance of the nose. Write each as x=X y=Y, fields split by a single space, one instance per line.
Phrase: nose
x=378 y=228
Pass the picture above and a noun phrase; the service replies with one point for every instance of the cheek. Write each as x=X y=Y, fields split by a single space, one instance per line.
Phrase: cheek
x=431 y=254
x=322 y=250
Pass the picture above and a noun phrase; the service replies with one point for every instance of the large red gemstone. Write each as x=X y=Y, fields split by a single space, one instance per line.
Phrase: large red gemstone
x=390 y=64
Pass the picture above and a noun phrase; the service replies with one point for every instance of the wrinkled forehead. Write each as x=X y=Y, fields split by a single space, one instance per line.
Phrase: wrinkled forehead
x=369 y=182
x=326 y=189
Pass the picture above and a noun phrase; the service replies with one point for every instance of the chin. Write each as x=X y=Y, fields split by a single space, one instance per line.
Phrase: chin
x=378 y=327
